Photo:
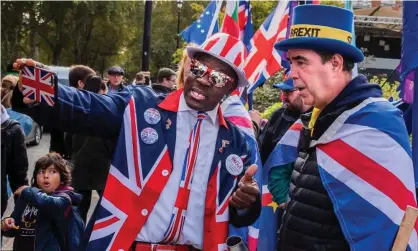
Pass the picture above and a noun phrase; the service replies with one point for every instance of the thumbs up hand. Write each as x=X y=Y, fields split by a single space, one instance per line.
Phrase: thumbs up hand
x=247 y=191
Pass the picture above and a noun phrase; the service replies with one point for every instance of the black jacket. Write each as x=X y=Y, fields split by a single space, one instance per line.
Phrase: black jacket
x=14 y=159
x=91 y=158
x=276 y=127
x=60 y=142
x=161 y=89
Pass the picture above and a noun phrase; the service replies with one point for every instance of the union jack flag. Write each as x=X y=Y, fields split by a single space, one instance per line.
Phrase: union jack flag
x=263 y=60
x=245 y=23
x=236 y=113
x=38 y=84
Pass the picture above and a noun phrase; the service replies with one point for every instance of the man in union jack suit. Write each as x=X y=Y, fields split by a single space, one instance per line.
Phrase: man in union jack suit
x=181 y=171
x=348 y=162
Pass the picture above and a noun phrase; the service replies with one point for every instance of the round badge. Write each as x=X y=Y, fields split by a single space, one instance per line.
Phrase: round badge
x=234 y=164
x=152 y=116
x=149 y=135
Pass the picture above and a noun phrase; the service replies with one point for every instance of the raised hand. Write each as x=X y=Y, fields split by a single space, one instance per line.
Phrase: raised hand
x=247 y=191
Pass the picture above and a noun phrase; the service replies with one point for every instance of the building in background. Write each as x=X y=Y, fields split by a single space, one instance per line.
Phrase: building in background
x=378 y=26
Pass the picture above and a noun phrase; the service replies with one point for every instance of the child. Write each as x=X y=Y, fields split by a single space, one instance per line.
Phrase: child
x=39 y=220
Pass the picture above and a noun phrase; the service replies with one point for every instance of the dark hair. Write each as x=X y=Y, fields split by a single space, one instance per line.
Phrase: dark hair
x=92 y=83
x=348 y=63
x=79 y=72
x=103 y=86
x=165 y=73
x=60 y=164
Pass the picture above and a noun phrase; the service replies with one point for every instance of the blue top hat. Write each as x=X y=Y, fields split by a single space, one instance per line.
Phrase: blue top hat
x=286 y=85
x=323 y=28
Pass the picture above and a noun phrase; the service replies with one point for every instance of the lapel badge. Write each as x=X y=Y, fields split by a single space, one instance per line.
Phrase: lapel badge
x=225 y=143
x=168 y=124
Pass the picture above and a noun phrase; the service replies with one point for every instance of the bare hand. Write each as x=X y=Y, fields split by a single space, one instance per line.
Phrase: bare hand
x=256 y=116
x=7 y=224
x=247 y=191
x=19 y=190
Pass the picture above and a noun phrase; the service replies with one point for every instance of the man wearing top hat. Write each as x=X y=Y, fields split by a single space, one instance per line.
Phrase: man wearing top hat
x=181 y=172
x=353 y=177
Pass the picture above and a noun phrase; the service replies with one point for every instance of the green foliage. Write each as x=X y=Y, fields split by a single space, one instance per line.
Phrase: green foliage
x=260 y=10
x=390 y=89
x=267 y=113
x=334 y=3
x=267 y=95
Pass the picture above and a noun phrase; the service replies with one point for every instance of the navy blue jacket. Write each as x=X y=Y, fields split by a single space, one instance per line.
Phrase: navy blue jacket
x=52 y=211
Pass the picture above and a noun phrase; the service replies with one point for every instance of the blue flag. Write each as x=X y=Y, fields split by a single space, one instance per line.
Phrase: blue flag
x=409 y=60
x=409 y=65
x=205 y=26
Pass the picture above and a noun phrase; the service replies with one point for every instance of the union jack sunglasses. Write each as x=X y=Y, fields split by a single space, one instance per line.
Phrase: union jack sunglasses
x=216 y=78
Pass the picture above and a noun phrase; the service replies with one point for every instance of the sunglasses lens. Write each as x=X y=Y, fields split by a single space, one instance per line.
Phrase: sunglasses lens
x=198 y=69
x=218 y=79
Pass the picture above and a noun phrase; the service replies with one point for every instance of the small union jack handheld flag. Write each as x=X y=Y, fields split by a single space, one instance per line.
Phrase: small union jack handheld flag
x=37 y=83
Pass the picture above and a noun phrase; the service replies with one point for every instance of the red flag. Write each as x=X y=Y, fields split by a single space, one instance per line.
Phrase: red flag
x=230 y=24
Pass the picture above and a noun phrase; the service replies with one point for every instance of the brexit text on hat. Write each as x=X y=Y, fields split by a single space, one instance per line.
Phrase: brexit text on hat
x=304 y=30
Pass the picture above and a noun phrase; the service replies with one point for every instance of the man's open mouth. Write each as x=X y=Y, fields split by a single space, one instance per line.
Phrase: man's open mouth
x=197 y=94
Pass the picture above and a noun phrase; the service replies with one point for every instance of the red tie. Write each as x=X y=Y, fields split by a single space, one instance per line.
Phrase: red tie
x=172 y=235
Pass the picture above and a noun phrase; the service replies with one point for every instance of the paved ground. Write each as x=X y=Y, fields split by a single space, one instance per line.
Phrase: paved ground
x=34 y=153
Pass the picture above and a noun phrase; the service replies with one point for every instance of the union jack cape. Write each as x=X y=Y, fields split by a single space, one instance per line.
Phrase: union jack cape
x=364 y=160
x=235 y=112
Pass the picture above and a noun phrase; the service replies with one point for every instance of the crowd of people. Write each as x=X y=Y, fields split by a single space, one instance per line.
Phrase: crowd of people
x=174 y=162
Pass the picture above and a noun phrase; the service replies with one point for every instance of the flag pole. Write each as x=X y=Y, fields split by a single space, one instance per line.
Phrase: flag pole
x=388 y=77
x=147 y=36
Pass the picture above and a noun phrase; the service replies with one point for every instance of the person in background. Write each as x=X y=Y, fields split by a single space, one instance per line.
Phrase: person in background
x=39 y=221
x=60 y=142
x=166 y=81
x=115 y=75
x=139 y=79
x=8 y=83
x=281 y=119
x=14 y=158
x=91 y=157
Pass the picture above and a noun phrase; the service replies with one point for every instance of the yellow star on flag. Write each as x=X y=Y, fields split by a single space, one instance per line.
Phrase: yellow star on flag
x=273 y=205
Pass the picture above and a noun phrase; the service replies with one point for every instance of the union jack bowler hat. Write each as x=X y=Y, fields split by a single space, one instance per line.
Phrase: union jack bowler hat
x=226 y=48
x=322 y=28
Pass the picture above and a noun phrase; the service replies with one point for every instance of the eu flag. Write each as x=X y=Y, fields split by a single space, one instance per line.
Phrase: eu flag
x=205 y=26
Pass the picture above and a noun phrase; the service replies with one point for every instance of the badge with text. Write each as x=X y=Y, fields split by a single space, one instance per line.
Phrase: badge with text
x=234 y=164
x=152 y=116
x=149 y=135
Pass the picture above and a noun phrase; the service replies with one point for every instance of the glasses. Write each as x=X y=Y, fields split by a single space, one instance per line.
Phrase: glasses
x=216 y=78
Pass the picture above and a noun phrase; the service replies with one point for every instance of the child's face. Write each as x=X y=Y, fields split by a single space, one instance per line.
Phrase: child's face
x=48 y=179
